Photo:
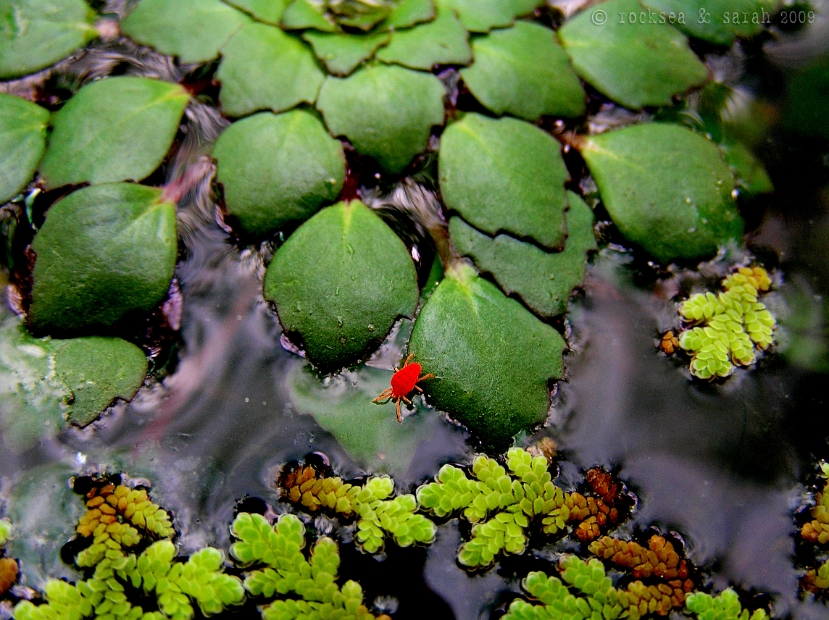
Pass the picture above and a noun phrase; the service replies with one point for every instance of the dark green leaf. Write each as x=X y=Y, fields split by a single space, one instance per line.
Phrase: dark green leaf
x=484 y=15
x=717 y=21
x=636 y=64
x=37 y=33
x=342 y=53
x=543 y=280
x=386 y=112
x=408 y=13
x=264 y=68
x=105 y=253
x=504 y=176
x=443 y=41
x=278 y=169
x=194 y=30
x=301 y=14
x=268 y=11
x=666 y=188
x=751 y=177
x=807 y=106
x=114 y=129
x=22 y=142
x=492 y=359
x=96 y=371
x=524 y=72
x=340 y=282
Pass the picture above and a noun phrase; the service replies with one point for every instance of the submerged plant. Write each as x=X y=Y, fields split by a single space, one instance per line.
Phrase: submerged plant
x=730 y=326
x=377 y=515
x=502 y=506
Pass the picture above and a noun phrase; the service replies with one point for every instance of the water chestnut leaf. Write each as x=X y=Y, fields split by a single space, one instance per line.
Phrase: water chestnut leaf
x=37 y=33
x=268 y=11
x=718 y=21
x=504 y=176
x=443 y=41
x=106 y=253
x=543 y=280
x=408 y=13
x=340 y=282
x=523 y=71
x=194 y=30
x=278 y=169
x=634 y=63
x=666 y=188
x=115 y=129
x=22 y=142
x=264 y=68
x=492 y=359
x=386 y=112
x=341 y=53
x=484 y=15
x=301 y=14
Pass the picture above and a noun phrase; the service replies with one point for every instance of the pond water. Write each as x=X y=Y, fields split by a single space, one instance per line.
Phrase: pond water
x=724 y=466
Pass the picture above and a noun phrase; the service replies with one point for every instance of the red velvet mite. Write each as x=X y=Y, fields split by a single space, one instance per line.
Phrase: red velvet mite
x=403 y=382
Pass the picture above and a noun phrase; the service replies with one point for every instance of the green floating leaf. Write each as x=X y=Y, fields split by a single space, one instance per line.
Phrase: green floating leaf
x=717 y=21
x=115 y=129
x=264 y=68
x=301 y=14
x=194 y=30
x=37 y=33
x=443 y=41
x=278 y=169
x=749 y=173
x=386 y=112
x=268 y=11
x=504 y=176
x=666 y=188
x=97 y=371
x=105 y=254
x=484 y=15
x=342 y=53
x=22 y=142
x=725 y=606
x=523 y=71
x=491 y=358
x=340 y=282
x=636 y=63
x=408 y=13
x=543 y=280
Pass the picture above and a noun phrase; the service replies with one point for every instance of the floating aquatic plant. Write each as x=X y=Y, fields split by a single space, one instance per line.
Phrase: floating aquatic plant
x=502 y=506
x=377 y=515
x=724 y=606
x=8 y=566
x=816 y=531
x=287 y=572
x=730 y=326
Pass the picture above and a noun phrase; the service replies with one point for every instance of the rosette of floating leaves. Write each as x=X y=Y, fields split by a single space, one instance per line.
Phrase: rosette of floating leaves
x=377 y=515
x=724 y=606
x=287 y=572
x=732 y=324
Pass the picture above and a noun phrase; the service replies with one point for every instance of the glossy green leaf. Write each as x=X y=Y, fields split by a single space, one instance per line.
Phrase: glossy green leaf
x=369 y=432
x=666 y=188
x=96 y=371
x=504 y=176
x=484 y=15
x=342 y=53
x=301 y=14
x=22 y=142
x=114 y=129
x=635 y=64
x=264 y=68
x=268 y=11
x=751 y=176
x=443 y=41
x=386 y=112
x=340 y=282
x=717 y=21
x=492 y=359
x=523 y=71
x=194 y=30
x=37 y=33
x=105 y=254
x=543 y=280
x=362 y=16
x=278 y=169
x=408 y=13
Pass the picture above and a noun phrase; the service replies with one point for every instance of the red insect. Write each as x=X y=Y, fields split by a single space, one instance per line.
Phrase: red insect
x=403 y=382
